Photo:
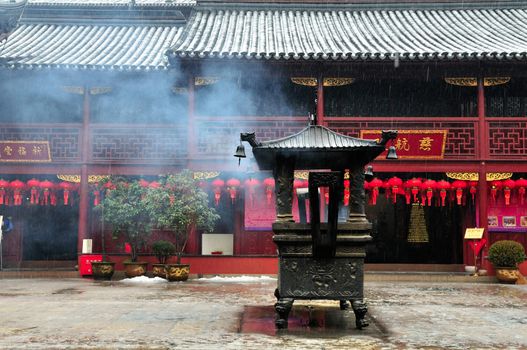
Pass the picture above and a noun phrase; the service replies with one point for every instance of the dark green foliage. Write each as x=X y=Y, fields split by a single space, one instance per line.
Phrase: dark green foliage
x=130 y=215
x=181 y=206
x=163 y=250
x=506 y=253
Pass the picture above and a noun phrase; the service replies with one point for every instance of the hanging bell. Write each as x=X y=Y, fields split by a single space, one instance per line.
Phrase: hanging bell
x=368 y=173
x=240 y=152
x=391 y=153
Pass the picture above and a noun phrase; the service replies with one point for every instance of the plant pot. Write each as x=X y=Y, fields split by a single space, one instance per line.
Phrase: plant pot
x=159 y=270
x=134 y=269
x=177 y=272
x=102 y=270
x=507 y=275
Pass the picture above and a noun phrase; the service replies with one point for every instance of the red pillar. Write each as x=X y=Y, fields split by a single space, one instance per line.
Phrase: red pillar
x=320 y=101
x=191 y=142
x=84 y=189
x=482 y=172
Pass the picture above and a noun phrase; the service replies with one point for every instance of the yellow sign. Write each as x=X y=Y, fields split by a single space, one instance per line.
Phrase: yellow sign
x=474 y=233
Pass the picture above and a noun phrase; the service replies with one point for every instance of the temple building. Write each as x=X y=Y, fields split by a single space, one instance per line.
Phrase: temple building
x=91 y=88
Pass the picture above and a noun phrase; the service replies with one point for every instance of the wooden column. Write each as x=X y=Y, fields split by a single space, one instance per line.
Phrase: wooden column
x=320 y=100
x=191 y=123
x=482 y=171
x=84 y=189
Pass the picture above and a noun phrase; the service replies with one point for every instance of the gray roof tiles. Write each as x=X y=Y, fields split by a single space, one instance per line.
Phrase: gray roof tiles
x=354 y=34
x=89 y=46
x=317 y=137
x=305 y=33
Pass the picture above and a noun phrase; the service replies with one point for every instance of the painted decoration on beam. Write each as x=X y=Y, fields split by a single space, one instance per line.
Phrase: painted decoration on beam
x=413 y=144
x=25 y=151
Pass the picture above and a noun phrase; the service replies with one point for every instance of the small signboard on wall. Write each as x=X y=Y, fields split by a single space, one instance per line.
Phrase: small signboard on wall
x=474 y=233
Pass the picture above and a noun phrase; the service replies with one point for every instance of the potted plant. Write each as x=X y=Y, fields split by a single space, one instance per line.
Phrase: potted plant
x=163 y=250
x=125 y=208
x=181 y=206
x=505 y=255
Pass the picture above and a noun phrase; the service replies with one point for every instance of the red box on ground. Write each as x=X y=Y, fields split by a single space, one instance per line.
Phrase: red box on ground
x=85 y=261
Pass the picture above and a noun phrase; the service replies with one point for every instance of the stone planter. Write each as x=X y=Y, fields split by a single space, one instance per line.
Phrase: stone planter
x=159 y=270
x=177 y=272
x=102 y=270
x=508 y=275
x=134 y=269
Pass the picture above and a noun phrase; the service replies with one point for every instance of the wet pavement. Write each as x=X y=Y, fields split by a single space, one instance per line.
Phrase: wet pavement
x=237 y=313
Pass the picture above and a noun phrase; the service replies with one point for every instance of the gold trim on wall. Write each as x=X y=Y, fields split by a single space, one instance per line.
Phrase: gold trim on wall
x=201 y=81
x=311 y=81
x=475 y=176
x=77 y=178
x=471 y=81
x=204 y=175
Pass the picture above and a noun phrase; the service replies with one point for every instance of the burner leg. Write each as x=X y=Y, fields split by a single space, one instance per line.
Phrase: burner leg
x=283 y=307
x=360 y=309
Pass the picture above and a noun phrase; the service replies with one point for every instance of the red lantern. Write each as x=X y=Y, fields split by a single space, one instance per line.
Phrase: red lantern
x=33 y=185
x=46 y=187
x=218 y=186
x=508 y=185
x=269 y=186
x=406 y=191
x=232 y=186
x=347 y=191
x=17 y=187
x=67 y=187
x=250 y=185
x=416 y=185
x=374 y=185
x=395 y=183
x=459 y=186
x=473 y=188
x=443 y=187
x=521 y=184
x=495 y=186
x=428 y=187
x=154 y=184
x=4 y=185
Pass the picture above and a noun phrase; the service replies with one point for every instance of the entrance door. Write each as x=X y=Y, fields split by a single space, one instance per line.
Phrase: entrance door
x=50 y=232
x=415 y=234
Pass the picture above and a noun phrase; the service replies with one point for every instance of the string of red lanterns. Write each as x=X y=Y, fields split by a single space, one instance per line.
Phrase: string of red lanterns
x=414 y=190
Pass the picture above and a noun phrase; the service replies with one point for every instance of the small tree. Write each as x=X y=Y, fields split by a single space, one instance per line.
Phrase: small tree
x=163 y=250
x=126 y=209
x=179 y=206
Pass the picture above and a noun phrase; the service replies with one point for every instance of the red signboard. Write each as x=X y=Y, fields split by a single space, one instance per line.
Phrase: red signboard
x=25 y=151
x=414 y=144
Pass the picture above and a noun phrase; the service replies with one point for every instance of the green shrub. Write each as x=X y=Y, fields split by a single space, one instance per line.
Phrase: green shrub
x=163 y=250
x=506 y=253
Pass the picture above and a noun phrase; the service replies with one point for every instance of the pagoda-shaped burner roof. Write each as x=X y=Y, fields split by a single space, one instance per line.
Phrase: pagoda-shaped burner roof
x=318 y=137
x=317 y=147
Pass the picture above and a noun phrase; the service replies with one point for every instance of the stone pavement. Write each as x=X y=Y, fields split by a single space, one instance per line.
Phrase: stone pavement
x=237 y=313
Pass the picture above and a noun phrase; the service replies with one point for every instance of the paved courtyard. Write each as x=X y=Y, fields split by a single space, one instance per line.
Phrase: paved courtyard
x=237 y=313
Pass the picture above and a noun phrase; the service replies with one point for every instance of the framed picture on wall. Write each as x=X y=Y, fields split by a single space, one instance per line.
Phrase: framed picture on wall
x=492 y=221
x=523 y=221
x=509 y=221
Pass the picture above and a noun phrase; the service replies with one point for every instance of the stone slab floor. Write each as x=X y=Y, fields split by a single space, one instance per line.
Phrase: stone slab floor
x=237 y=313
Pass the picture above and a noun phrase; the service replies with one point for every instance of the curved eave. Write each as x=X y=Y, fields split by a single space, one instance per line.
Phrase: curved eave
x=81 y=67
x=378 y=57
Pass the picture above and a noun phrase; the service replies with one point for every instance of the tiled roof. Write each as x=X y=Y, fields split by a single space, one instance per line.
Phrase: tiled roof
x=92 y=3
x=89 y=46
x=347 y=33
x=318 y=137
